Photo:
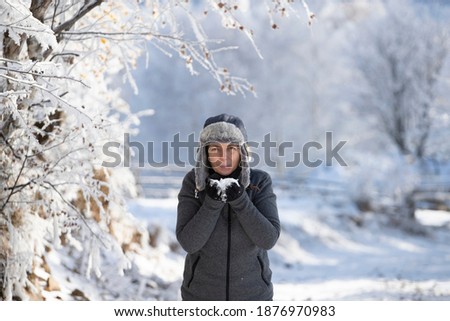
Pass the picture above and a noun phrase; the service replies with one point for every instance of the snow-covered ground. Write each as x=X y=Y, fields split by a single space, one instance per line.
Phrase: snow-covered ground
x=326 y=251
x=330 y=254
x=333 y=253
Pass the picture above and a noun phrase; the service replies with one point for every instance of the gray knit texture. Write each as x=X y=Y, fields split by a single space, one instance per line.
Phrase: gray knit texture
x=203 y=230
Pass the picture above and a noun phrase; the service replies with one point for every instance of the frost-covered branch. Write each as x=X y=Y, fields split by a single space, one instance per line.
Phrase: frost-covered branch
x=9 y=146
x=41 y=75
x=80 y=215
x=85 y=9
x=11 y=193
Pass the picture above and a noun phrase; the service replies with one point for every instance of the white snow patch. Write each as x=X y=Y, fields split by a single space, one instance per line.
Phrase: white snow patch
x=433 y=217
x=222 y=185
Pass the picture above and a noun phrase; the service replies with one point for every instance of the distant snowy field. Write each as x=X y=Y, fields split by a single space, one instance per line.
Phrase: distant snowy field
x=326 y=251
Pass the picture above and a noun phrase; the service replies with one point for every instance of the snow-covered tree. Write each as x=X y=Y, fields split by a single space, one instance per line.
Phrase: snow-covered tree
x=401 y=54
x=58 y=108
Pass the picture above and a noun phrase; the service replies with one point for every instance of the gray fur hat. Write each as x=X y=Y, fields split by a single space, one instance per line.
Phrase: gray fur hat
x=222 y=128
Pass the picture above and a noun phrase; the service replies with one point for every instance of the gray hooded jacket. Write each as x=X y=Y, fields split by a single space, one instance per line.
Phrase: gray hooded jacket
x=227 y=243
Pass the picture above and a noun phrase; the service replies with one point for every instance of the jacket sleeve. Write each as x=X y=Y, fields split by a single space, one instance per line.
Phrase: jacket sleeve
x=259 y=218
x=195 y=220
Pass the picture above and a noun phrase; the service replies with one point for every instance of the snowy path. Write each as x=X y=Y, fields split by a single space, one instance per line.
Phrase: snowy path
x=323 y=255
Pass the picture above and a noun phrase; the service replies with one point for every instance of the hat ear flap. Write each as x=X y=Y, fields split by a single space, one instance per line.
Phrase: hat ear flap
x=201 y=168
x=245 y=166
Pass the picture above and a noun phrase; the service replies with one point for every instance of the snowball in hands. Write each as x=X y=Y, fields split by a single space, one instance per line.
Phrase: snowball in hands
x=221 y=185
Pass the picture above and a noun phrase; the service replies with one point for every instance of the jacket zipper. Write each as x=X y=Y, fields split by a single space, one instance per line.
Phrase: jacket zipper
x=228 y=257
